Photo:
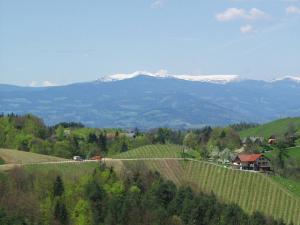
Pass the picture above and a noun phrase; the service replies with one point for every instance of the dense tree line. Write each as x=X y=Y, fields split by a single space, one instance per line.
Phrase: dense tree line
x=140 y=197
x=29 y=133
x=243 y=126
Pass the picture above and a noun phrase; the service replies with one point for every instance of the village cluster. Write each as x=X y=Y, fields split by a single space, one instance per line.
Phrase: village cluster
x=255 y=162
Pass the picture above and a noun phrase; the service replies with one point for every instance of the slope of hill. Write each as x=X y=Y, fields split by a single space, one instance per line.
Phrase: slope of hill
x=277 y=127
x=66 y=170
x=292 y=152
x=159 y=151
x=251 y=191
x=144 y=101
x=20 y=157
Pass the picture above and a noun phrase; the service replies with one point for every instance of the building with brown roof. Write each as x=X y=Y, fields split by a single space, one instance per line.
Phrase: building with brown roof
x=257 y=162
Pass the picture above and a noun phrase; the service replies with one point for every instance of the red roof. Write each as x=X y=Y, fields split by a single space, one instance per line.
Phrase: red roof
x=249 y=157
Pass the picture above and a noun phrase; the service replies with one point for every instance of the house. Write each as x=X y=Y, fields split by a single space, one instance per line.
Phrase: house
x=272 y=141
x=256 y=162
x=253 y=139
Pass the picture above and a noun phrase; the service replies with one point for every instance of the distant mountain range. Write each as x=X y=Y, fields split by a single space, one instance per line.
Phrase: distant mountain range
x=147 y=100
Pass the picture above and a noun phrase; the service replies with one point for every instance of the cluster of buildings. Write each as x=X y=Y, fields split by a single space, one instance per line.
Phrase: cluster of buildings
x=255 y=162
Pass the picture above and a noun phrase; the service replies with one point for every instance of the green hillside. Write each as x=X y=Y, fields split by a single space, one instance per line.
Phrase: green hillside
x=292 y=152
x=20 y=157
x=251 y=191
x=158 y=151
x=67 y=170
x=277 y=127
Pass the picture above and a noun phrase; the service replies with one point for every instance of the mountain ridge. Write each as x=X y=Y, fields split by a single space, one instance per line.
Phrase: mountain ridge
x=147 y=102
x=160 y=75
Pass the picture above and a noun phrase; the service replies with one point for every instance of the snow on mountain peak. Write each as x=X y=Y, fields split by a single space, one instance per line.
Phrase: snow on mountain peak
x=164 y=74
x=292 y=78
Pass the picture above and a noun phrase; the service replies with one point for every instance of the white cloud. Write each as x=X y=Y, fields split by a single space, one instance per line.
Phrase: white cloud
x=230 y=14
x=238 y=13
x=157 y=4
x=292 y=10
x=247 y=29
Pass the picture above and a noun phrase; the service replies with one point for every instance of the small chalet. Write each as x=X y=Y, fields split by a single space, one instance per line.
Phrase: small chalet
x=272 y=141
x=256 y=162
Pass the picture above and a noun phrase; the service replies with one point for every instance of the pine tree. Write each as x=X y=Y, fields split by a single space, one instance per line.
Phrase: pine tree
x=61 y=213
x=58 y=187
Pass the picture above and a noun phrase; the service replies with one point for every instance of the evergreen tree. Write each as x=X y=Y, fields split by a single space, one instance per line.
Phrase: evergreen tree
x=60 y=212
x=58 y=187
x=124 y=147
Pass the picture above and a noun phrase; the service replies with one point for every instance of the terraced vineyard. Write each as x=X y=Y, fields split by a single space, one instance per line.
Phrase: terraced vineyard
x=252 y=191
x=158 y=151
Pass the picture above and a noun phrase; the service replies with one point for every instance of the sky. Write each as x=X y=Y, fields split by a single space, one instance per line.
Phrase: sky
x=44 y=43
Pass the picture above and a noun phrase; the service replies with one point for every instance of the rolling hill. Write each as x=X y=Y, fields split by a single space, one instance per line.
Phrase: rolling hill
x=20 y=157
x=277 y=127
x=159 y=151
x=292 y=152
x=251 y=191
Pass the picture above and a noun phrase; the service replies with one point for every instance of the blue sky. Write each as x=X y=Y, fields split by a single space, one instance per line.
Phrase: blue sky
x=59 y=42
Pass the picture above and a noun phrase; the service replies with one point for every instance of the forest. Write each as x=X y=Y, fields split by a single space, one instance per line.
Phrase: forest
x=102 y=197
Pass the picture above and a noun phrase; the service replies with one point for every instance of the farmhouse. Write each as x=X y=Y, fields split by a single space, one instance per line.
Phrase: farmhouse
x=256 y=162
x=253 y=139
x=272 y=141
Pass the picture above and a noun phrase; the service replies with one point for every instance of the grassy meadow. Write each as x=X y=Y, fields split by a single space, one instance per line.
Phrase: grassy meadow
x=20 y=157
x=277 y=127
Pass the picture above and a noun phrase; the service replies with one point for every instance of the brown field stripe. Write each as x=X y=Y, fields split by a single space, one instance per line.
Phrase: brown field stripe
x=287 y=210
x=237 y=196
x=206 y=177
x=247 y=193
x=223 y=183
x=297 y=214
x=234 y=189
x=211 y=178
x=265 y=198
x=218 y=180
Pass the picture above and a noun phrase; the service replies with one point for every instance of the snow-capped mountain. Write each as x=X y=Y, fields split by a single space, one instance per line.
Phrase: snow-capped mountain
x=289 y=78
x=221 y=79
x=149 y=100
